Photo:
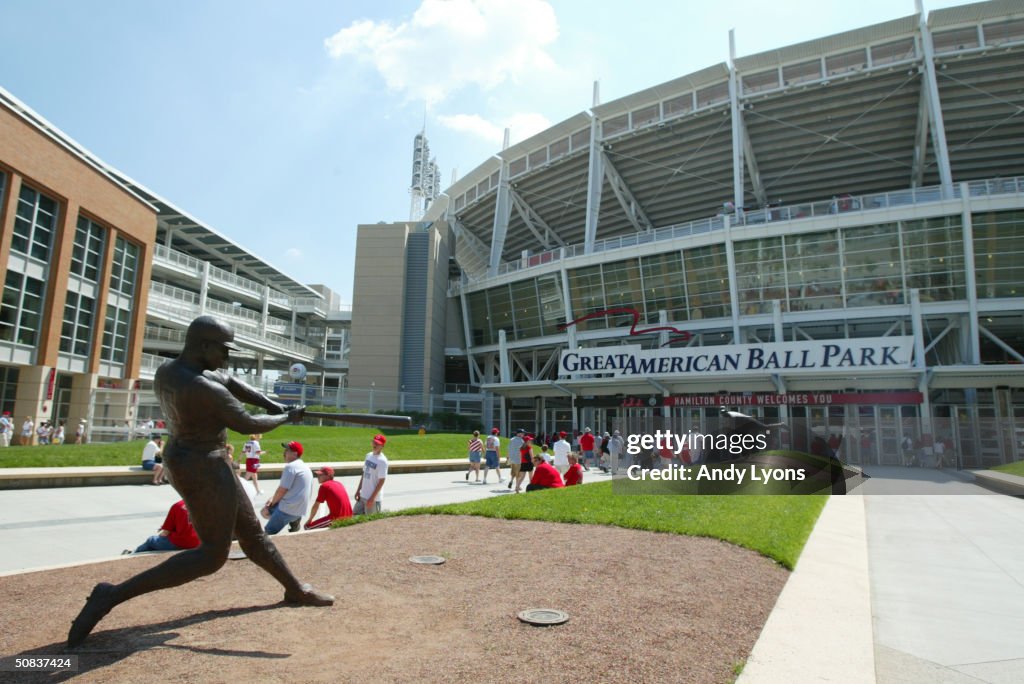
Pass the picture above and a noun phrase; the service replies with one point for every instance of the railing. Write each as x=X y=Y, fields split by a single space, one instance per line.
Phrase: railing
x=152 y=333
x=740 y=217
x=238 y=312
x=234 y=280
x=180 y=259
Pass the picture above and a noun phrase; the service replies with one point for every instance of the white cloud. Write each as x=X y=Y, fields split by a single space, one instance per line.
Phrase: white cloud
x=293 y=254
x=449 y=44
x=521 y=126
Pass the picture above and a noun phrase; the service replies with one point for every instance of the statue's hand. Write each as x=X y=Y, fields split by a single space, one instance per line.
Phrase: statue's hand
x=296 y=414
x=277 y=409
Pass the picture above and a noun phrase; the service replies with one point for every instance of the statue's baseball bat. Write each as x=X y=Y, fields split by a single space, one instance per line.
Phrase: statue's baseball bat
x=364 y=418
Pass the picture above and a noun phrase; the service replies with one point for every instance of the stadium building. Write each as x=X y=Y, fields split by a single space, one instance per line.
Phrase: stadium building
x=829 y=233
x=102 y=277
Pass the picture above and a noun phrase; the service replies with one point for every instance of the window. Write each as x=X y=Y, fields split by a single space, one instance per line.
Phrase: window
x=664 y=287
x=8 y=388
x=87 y=252
x=678 y=105
x=872 y=266
x=760 y=275
x=713 y=94
x=21 y=309
x=76 y=331
x=115 y=334
x=552 y=306
x=998 y=250
x=812 y=270
x=527 y=313
x=765 y=80
x=801 y=73
x=580 y=139
x=707 y=281
x=34 y=224
x=116 y=324
x=587 y=296
x=538 y=158
x=614 y=125
x=892 y=52
x=933 y=258
x=126 y=262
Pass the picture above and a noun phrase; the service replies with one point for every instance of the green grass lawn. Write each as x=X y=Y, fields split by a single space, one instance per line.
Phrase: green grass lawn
x=328 y=443
x=1015 y=468
x=776 y=526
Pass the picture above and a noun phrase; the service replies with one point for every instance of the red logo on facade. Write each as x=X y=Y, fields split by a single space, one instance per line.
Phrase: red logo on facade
x=677 y=334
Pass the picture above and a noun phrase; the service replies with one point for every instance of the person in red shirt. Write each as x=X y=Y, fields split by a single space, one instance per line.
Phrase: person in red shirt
x=332 y=492
x=587 y=447
x=574 y=475
x=525 y=461
x=545 y=476
x=175 y=534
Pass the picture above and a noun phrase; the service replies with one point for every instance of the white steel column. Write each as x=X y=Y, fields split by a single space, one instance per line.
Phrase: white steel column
x=737 y=129
x=595 y=179
x=504 y=371
x=974 y=350
x=734 y=302
x=502 y=212
x=917 y=326
x=935 y=107
x=204 y=287
x=567 y=304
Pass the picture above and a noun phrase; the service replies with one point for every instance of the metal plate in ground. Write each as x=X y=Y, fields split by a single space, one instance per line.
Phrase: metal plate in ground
x=427 y=560
x=544 y=616
x=237 y=555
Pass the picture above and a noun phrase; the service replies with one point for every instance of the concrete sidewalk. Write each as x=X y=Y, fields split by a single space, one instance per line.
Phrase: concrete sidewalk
x=917 y=578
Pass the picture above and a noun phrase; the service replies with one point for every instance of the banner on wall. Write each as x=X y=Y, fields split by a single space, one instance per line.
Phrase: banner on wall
x=866 y=353
x=787 y=399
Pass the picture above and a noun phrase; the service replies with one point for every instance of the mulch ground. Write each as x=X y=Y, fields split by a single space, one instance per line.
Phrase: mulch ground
x=644 y=607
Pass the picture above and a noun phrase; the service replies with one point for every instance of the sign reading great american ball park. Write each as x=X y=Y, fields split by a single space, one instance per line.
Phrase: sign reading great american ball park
x=858 y=354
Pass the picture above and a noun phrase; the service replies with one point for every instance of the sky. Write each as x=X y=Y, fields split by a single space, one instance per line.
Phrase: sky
x=285 y=125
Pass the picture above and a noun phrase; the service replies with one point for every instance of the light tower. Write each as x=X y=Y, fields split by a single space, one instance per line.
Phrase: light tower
x=426 y=178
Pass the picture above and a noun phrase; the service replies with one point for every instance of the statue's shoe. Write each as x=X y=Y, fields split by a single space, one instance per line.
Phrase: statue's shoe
x=309 y=597
x=98 y=604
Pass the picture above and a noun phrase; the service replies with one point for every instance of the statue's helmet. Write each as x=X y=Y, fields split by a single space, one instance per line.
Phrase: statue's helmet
x=209 y=329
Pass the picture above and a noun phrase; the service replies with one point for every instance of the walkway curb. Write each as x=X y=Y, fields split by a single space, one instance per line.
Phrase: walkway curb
x=821 y=627
x=95 y=476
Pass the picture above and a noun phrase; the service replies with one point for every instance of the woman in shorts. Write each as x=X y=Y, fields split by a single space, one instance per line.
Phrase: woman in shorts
x=476 y=450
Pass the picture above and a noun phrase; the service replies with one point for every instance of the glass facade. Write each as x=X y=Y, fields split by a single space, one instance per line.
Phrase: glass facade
x=861 y=266
x=22 y=309
x=83 y=287
x=117 y=323
x=999 y=253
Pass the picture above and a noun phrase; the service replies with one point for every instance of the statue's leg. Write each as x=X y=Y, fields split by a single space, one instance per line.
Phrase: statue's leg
x=207 y=485
x=261 y=550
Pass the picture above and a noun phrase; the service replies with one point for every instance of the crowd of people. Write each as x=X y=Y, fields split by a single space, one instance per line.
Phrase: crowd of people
x=535 y=463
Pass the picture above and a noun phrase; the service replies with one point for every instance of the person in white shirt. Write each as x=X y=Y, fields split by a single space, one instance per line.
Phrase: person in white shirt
x=562 y=448
x=150 y=454
x=492 y=447
x=615 y=449
x=289 y=503
x=6 y=428
x=375 y=471
x=27 y=430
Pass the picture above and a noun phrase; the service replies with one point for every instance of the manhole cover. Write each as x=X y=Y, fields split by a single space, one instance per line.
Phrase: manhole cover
x=544 y=616
x=427 y=560
x=236 y=555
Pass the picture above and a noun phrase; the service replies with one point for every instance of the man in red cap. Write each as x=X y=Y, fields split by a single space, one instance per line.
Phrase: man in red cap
x=333 y=493
x=375 y=471
x=288 y=504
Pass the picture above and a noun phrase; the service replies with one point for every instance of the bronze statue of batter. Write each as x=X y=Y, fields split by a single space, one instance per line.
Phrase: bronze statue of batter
x=200 y=402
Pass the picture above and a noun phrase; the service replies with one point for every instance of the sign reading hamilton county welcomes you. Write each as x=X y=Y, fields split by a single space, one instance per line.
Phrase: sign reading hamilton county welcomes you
x=863 y=353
